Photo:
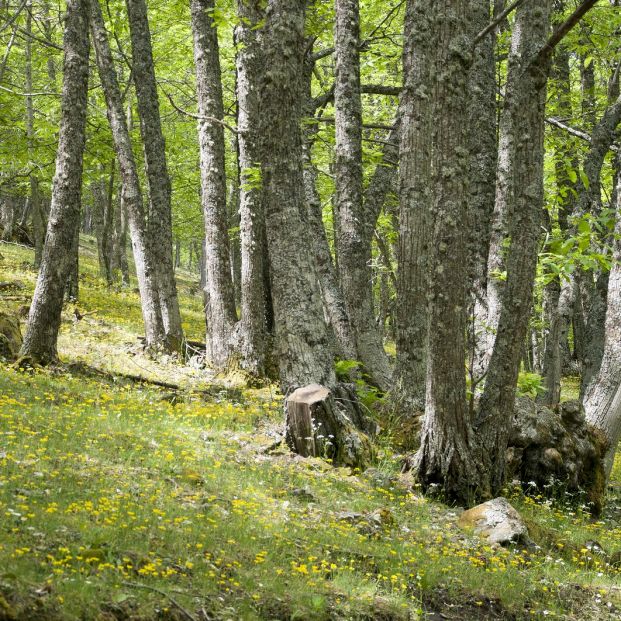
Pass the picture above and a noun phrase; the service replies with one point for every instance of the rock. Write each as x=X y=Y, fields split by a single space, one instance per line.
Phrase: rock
x=556 y=446
x=10 y=337
x=497 y=521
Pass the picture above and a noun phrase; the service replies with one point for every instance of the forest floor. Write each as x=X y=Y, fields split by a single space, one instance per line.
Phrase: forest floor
x=128 y=501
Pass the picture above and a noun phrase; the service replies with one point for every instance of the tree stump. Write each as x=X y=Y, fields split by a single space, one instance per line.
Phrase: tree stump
x=320 y=425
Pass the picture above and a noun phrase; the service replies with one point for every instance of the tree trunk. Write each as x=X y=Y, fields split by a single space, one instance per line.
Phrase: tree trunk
x=354 y=244
x=414 y=214
x=131 y=194
x=252 y=336
x=483 y=149
x=332 y=295
x=303 y=348
x=39 y=213
x=221 y=313
x=160 y=217
x=602 y=399
x=524 y=117
x=40 y=342
x=446 y=455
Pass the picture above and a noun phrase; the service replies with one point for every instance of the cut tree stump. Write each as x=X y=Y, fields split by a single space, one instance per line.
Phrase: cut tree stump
x=320 y=425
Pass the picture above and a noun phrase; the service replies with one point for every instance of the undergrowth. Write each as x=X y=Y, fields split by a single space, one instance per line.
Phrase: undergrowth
x=124 y=501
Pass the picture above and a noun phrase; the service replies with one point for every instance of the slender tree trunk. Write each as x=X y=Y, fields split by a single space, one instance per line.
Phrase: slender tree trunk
x=557 y=294
x=160 y=215
x=40 y=341
x=602 y=399
x=332 y=295
x=131 y=194
x=302 y=343
x=221 y=313
x=525 y=117
x=446 y=456
x=39 y=213
x=483 y=149
x=414 y=215
x=354 y=245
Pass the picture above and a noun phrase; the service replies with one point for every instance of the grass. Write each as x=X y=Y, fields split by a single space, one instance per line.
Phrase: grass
x=124 y=501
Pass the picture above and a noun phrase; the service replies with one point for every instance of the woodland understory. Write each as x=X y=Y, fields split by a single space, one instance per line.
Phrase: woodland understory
x=294 y=271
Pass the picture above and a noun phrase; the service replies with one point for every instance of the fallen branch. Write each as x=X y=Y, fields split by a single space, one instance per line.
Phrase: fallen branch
x=137 y=585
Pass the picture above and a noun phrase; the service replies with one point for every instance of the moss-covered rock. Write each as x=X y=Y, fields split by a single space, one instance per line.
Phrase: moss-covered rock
x=10 y=337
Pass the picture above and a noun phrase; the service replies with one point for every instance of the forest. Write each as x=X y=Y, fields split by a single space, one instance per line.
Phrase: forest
x=310 y=310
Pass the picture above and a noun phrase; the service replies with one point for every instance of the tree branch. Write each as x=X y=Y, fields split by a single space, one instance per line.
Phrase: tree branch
x=492 y=25
x=564 y=29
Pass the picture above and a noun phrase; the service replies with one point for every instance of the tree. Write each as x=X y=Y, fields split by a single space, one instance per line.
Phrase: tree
x=220 y=311
x=252 y=342
x=160 y=217
x=414 y=209
x=45 y=311
x=354 y=244
x=131 y=192
x=447 y=453
x=304 y=351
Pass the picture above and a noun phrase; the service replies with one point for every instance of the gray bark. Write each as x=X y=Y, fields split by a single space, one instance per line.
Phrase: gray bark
x=483 y=148
x=303 y=348
x=40 y=341
x=446 y=456
x=525 y=117
x=221 y=313
x=131 y=194
x=354 y=240
x=332 y=295
x=602 y=399
x=414 y=215
x=160 y=216
x=252 y=341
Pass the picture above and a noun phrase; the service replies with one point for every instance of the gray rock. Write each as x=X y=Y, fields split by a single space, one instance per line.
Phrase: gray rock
x=497 y=521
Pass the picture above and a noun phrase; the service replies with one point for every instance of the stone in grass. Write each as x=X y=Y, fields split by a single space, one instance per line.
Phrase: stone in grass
x=497 y=521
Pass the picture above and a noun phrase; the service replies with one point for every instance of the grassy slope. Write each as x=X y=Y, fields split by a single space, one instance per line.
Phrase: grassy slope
x=109 y=490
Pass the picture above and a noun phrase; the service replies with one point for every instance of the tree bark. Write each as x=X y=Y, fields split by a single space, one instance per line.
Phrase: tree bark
x=354 y=243
x=253 y=337
x=159 y=224
x=131 y=194
x=483 y=149
x=414 y=212
x=303 y=348
x=221 y=313
x=525 y=117
x=602 y=399
x=40 y=341
x=446 y=457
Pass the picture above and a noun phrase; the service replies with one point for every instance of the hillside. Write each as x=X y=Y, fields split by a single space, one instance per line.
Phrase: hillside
x=126 y=500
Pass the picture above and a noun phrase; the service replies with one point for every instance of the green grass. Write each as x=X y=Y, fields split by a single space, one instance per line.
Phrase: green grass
x=109 y=490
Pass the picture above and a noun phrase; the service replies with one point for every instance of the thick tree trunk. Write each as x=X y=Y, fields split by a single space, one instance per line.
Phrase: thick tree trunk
x=131 y=194
x=525 y=117
x=41 y=337
x=252 y=337
x=221 y=313
x=446 y=456
x=160 y=215
x=303 y=348
x=414 y=214
x=354 y=243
